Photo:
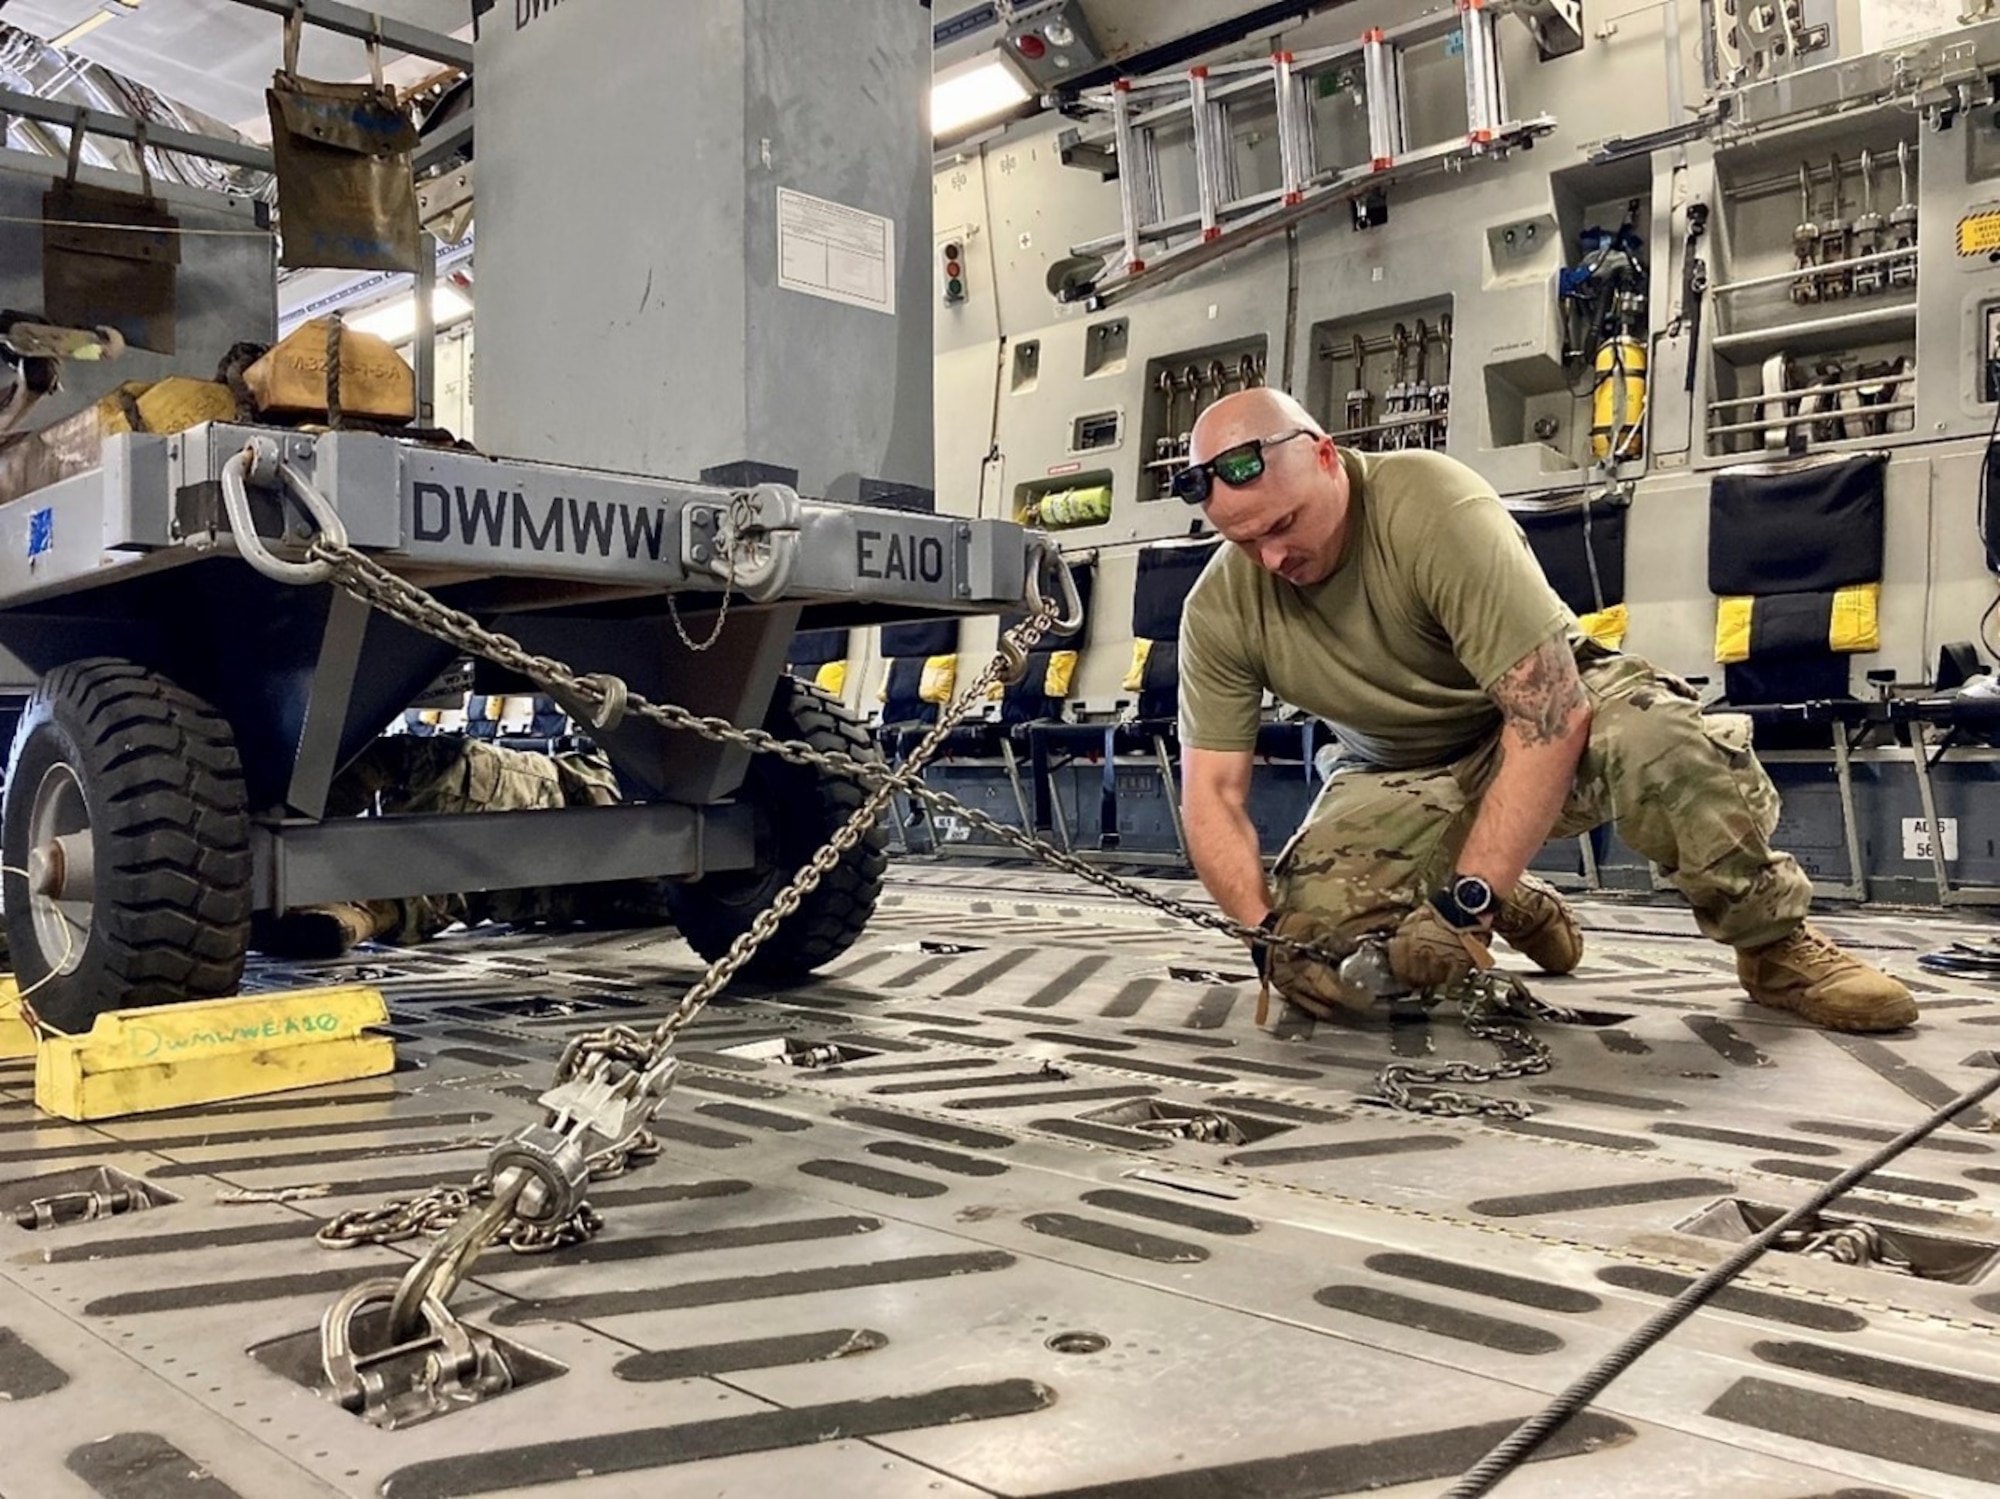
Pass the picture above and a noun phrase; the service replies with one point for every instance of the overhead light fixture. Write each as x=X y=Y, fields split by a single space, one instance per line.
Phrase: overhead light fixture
x=96 y=19
x=969 y=93
x=396 y=322
x=82 y=29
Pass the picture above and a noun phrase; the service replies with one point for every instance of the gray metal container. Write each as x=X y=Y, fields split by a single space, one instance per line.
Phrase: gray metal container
x=633 y=312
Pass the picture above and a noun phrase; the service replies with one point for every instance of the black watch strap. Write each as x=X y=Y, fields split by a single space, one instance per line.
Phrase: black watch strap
x=1454 y=911
x=1260 y=952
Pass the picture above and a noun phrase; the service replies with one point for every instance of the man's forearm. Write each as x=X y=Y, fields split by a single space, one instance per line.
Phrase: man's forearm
x=1222 y=841
x=1521 y=806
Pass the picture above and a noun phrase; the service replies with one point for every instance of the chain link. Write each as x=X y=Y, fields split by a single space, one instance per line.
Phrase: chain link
x=1481 y=998
x=742 y=516
x=442 y=1208
x=411 y=605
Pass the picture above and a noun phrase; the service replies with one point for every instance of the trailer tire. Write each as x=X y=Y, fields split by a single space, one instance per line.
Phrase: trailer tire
x=121 y=771
x=798 y=809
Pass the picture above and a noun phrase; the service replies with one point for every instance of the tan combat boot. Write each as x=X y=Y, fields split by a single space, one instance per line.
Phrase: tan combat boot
x=1538 y=924
x=1806 y=974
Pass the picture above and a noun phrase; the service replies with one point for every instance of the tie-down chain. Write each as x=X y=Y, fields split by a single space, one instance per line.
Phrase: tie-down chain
x=610 y=1083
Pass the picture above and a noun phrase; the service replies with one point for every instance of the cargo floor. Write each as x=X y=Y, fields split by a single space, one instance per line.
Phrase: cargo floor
x=967 y=1261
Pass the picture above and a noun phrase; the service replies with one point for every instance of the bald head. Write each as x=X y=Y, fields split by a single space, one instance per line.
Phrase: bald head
x=1257 y=412
x=1291 y=517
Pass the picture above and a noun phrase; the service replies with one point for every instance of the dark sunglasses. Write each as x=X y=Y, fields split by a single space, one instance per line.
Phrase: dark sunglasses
x=1235 y=466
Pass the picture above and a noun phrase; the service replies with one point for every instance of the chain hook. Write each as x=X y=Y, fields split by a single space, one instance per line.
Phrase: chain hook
x=1065 y=602
x=261 y=463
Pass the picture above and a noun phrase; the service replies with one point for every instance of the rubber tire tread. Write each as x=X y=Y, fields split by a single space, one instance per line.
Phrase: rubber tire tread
x=169 y=818
x=804 y=808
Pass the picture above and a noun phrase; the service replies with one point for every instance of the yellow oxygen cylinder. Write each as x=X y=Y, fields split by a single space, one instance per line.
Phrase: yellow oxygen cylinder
x=1618 y=399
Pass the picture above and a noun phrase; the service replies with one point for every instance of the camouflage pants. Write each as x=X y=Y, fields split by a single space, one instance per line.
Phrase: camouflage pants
x=1681 y=788
x=401 y=774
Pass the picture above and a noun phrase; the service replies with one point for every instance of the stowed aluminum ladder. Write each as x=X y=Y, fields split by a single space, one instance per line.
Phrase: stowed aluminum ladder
x=1197 y=107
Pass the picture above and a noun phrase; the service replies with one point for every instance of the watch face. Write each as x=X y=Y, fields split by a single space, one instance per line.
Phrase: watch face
x=1473 y=894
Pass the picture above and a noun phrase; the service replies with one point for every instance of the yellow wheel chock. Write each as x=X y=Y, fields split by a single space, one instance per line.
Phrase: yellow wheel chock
x=206 y=1051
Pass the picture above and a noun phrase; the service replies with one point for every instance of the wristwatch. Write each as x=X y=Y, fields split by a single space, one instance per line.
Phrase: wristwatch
x=1465 y=901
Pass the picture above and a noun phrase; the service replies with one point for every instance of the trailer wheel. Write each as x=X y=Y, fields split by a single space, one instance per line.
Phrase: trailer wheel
x=125 y=831
x=797 y=810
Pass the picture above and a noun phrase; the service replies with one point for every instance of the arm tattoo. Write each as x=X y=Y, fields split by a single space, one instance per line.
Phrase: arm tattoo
x=1541 y=693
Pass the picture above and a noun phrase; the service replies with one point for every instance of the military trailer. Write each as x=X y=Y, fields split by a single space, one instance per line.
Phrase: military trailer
x=192 y=686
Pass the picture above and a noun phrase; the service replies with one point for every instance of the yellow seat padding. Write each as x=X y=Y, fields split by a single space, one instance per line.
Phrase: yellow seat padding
x=1136 y=677
x=1607 y=626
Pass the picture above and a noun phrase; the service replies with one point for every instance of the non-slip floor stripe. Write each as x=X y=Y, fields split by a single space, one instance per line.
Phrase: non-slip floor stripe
x=1768 y=1306
x=1876 y=1181
x=743 y=1114
x=140 y=1246
x=1589 y=1199
x=1944 y=1144
x=144 y=1465
x=984 y=975
x=497 y=1470
x=1574 y=1136
x=1478 y=1281
x=1917 y=1381
x=611 y=1250
x=711 y=1359
x=875 y=1179
x=25 y=1371
x=1342 y=1150
x=1434 y=1317
x=1094 y=1043
x=866 y=1070
x=1358 y=1467
x=1059 y=988
x=687 y=1132
x=727 y=1084
x=942 y=1160
x=1896 y=1436
x=291 y=1160
x=1043 y=1100
x=684 y=1294
x=1725 y=1041
x=955 y=1084
x=965 y=1038
x=1130 y=999
x=210 y=1138
x=1891 y=1066
x=1116 y=1237
x=239 y=1292
x=1174 y=1210
x=1156 y=1069
x=1265 y=1069
x=1638 y=1102
x=1743 y=1138
x=964 y=1136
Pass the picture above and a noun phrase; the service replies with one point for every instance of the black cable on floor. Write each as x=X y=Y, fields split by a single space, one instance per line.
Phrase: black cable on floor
x=1520 y=1444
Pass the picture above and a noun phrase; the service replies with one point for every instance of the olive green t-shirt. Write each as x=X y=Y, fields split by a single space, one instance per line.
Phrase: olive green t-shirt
x=1435 y=598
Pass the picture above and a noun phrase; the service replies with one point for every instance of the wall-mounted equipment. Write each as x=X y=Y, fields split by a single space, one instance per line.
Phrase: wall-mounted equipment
x=1604 y=325
x=1063 y=502
x=1383 y=382
x=1179 y=387
x=951 y=272
x=1814 y=330
x=1205 y=109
